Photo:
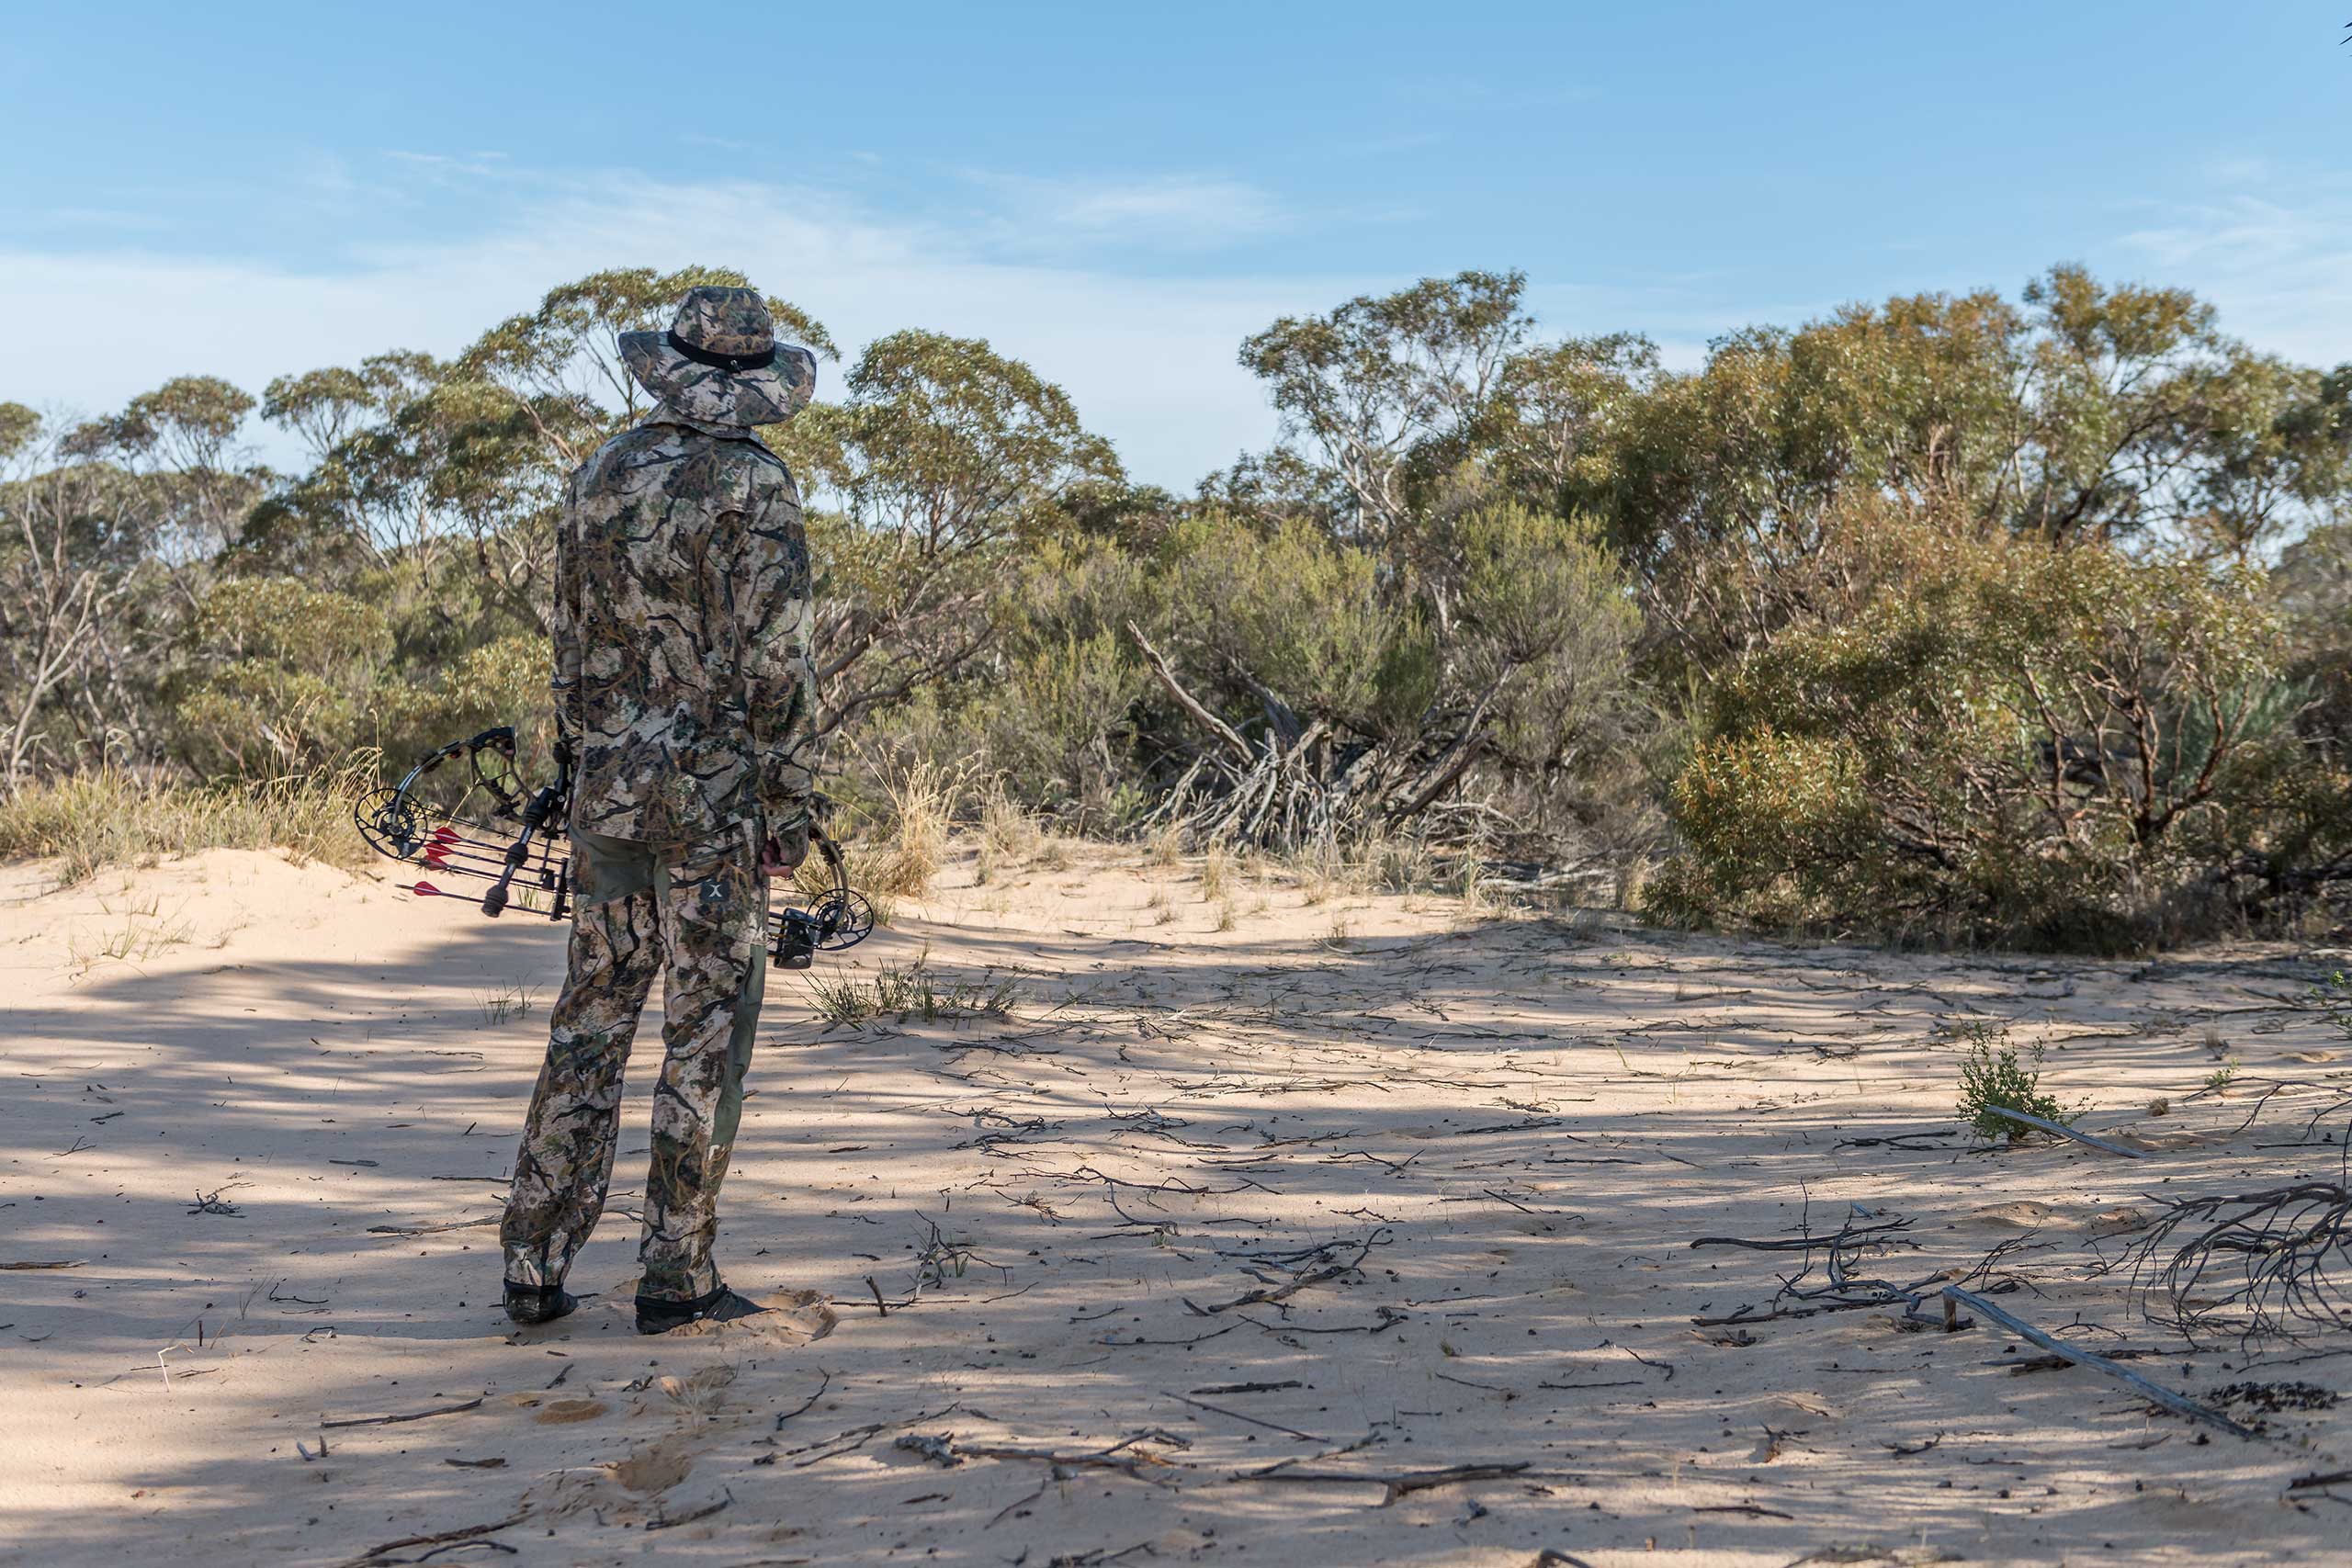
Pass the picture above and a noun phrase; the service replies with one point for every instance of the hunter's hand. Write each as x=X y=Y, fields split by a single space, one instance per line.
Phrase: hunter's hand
x=783 y=852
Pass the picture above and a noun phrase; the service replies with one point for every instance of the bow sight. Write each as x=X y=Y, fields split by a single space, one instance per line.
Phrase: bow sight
x=488 y=829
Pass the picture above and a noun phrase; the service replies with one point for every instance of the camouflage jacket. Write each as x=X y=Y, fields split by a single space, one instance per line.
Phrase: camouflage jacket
x=682 y=681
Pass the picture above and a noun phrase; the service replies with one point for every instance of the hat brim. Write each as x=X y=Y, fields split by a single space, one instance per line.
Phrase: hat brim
x=767 y=396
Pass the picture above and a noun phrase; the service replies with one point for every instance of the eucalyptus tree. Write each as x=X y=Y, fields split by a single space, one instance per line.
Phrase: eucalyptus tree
x=1387 y=394
x=941 y=460
x=76 y=533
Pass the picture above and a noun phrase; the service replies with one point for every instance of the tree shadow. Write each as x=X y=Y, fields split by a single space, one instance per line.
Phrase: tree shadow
x=1379 y=1207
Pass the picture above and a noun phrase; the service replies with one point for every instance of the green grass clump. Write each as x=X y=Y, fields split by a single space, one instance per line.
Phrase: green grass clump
x=110 y=815
x=1994 y=1079
x=917 y=991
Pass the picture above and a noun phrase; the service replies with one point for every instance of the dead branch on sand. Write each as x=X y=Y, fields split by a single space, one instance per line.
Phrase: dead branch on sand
x=1846 y=1289
x=375 y=1555
x=1402 y=1484
x=2274 y=1264
x=2179 y=1404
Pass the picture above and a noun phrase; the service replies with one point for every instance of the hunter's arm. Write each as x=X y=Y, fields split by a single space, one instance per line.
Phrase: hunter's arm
x=569 y=711
x=779 y=678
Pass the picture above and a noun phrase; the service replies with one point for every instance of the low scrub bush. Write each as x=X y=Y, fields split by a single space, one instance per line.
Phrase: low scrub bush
x=2060 y=747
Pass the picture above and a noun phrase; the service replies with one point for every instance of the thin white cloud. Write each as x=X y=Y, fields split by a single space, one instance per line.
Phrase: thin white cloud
x=1150 y=362
x=2274 y=255
x=1183 y=212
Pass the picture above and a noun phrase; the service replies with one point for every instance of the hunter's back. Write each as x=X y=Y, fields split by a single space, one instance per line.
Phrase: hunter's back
x=667 y=533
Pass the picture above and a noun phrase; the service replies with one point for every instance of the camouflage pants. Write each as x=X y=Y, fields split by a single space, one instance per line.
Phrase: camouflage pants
x=699 y=910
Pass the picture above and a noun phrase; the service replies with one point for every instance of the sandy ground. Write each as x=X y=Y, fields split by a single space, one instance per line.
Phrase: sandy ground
x=1211 y=1252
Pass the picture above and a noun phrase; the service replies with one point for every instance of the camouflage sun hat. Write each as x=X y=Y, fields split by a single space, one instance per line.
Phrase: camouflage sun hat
x=719 y=361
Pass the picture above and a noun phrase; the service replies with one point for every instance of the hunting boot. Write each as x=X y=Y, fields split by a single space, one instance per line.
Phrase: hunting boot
x=527 y=1304
x=657 y=1314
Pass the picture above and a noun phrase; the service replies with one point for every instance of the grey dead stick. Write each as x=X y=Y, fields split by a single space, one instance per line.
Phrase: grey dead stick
x=2179 y=1404
x=1248 y=1420
x=411 y=1416
x=471 y=1532
x=1394 y=1485
x=433 y=1230
x=2065 y=1132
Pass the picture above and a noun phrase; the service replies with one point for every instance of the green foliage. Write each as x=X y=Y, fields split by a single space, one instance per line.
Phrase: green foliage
x=505 y=681
x=276 y=676
x=943 y=439
x=2015 y=741
x=20 y=428
x=946 y=461
x=2084 y=414
x=1299 y=612
x=1396 y=391
x=1545 y=620
x=1992 y=1079
x=1776 y=831
x=1940 y=617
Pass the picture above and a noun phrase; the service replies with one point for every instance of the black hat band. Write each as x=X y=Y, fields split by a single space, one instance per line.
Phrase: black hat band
x=723 y=361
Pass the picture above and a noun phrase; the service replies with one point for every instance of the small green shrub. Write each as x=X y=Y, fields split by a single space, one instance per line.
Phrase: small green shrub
x=274 y=676
x=1994 y=1079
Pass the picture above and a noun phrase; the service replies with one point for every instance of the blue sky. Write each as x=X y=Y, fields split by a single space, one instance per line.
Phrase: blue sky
x=1118 y=193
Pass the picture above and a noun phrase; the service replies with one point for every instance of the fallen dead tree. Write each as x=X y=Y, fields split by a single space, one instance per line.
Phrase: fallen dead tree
x=1299 y=782
x=1843 y=1287
x=1309 y=771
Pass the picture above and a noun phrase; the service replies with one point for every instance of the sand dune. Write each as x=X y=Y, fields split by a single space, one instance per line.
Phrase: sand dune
x=1357 y=1233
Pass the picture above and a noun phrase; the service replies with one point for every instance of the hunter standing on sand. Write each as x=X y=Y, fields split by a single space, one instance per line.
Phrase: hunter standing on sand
x=682 y=688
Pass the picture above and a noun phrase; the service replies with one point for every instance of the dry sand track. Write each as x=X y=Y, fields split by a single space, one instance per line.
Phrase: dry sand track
x=1358 y=1233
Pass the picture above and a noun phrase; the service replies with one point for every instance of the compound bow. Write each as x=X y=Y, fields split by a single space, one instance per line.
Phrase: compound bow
x=475 y=837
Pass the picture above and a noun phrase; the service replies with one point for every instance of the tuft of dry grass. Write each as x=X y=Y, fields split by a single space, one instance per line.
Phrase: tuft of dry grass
x=917 y=991
x=109 y=816
x=1008 y=834
x=141 y=936
x=1469 y=881
x=1216 y=873
x=1321 y=870
x=514 y=1000
x=921 y=808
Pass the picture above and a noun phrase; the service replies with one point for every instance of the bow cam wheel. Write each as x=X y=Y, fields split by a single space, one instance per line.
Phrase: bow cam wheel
x=391 y=823
x=844 y=919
